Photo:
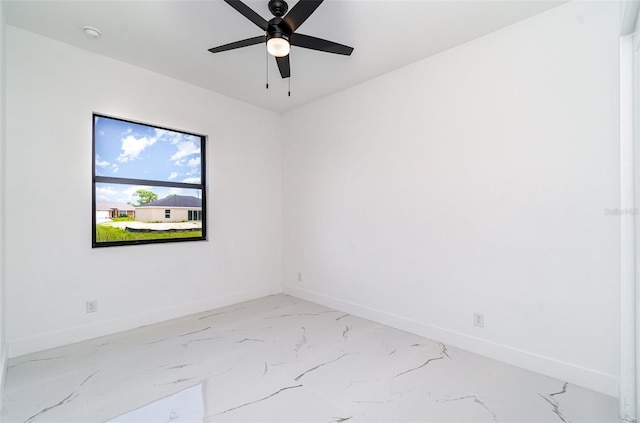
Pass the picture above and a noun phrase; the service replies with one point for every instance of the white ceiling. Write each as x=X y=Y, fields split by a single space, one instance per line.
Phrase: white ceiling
x=172 y=38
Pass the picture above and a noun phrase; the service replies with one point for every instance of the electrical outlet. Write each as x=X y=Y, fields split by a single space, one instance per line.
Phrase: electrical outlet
x=92 y=306
x=478 y=319
x=299 y=277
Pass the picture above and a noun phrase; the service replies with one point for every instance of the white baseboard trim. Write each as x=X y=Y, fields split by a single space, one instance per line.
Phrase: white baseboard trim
x=28 y=345
x=587 y=378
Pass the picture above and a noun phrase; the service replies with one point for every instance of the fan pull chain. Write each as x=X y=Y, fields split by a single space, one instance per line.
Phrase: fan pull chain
x=289 y=85
x=267 y=67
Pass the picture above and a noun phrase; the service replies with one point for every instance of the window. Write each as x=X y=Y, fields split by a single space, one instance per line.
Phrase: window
x=194 y=215
x=148 y=184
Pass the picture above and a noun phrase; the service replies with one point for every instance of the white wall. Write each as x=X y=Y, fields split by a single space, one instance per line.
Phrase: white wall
x=3 y=345
x=51 y=269
x=475 y=180
x=629 y=143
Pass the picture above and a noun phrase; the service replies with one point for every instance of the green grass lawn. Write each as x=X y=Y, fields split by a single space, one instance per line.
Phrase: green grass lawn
x=106 y=233
x=123 y=219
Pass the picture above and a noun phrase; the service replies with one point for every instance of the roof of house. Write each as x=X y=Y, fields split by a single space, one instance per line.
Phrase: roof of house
x=111 y=205
x=175 y=201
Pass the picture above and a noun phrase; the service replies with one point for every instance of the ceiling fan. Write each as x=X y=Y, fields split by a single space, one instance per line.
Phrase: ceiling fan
x=280 y=32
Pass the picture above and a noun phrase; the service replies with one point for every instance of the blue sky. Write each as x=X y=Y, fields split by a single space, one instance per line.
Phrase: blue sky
x=131 y=150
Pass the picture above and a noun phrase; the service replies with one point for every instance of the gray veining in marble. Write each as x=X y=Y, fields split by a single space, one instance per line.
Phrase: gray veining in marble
x=282 y=359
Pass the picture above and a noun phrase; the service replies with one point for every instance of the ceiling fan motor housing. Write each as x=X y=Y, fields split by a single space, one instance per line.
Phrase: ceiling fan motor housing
x=277 y=28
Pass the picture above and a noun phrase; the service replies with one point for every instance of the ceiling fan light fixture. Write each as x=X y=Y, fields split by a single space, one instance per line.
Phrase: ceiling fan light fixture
x=278 y=46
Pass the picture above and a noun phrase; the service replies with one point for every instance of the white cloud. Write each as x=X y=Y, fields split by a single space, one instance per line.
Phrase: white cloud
x=195 y=180
x=132 y=147
x=132 y=189
x=105 y=193
x=170 y=136
x=115 y=168
x=194 y=162
x=160 y=132
x=176 y=191
x=101 y=163
x=173 y=175
x=185 y=149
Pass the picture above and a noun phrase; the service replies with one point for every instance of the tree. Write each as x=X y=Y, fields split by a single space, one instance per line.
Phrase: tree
x=144 y=197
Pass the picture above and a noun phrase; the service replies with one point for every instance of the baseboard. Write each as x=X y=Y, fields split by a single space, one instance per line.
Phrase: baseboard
x=587 y=378
x=28 y=345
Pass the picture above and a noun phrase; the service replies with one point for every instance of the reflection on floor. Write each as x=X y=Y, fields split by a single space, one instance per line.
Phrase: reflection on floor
x=281 y=359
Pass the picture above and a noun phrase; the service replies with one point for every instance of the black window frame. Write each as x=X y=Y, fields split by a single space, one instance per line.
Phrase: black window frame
x=202 y=186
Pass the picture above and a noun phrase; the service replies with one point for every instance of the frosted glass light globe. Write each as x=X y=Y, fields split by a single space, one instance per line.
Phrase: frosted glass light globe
x=278 y=47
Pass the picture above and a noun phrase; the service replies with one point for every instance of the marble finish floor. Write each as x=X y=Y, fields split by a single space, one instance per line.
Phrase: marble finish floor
x=282 y=359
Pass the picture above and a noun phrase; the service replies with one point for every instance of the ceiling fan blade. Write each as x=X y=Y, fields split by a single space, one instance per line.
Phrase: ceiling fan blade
x=238 y=44
x=300 y=12
x=248 y=13
x=283 y=65
x=319 y=44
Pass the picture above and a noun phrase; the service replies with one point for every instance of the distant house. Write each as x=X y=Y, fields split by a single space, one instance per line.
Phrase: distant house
x=111 y=210
x=174 y=208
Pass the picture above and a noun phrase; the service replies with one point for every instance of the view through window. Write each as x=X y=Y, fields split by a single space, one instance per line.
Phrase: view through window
x=148 y=183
